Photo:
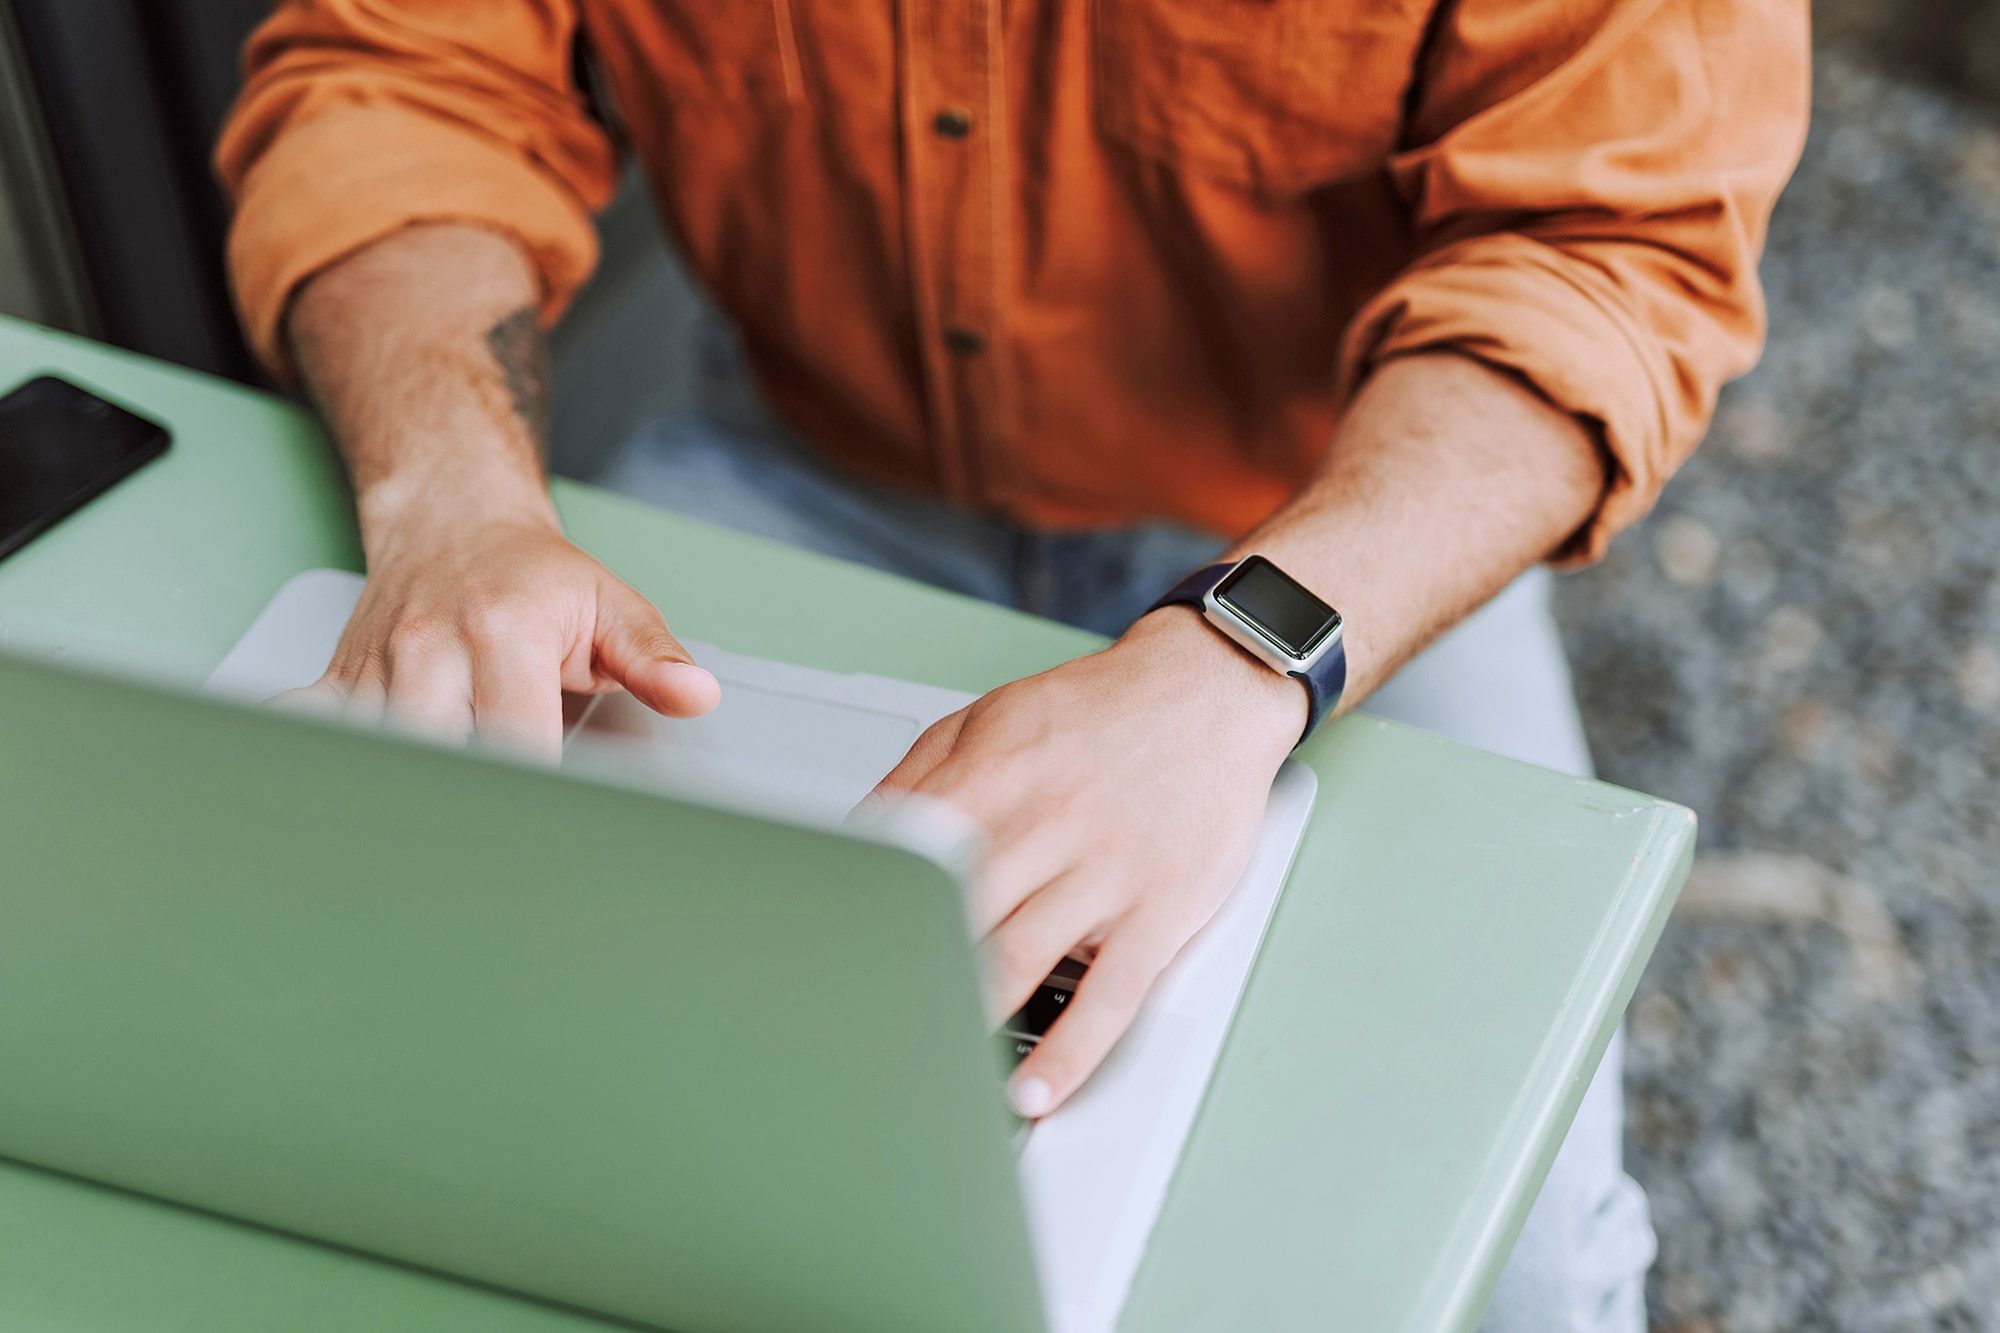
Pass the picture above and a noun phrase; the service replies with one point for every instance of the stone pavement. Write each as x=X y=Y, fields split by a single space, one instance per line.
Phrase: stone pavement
x=1803 y=643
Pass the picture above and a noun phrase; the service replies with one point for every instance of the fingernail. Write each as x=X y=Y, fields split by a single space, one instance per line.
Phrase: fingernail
x=697 y=682
x=690 y=672
x=1032 y=1098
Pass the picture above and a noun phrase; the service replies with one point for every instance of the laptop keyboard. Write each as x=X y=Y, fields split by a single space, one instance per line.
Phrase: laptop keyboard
x=1031 y=1022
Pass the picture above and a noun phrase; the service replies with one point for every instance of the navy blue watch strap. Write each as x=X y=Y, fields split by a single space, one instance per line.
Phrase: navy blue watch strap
x=1324 y=682
x=1191 y=590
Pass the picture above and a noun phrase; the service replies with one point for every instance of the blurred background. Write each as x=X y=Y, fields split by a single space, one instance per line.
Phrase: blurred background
x=1803 y=642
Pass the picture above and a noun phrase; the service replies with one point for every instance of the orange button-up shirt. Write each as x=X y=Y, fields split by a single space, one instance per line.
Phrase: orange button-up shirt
x=1086 y=263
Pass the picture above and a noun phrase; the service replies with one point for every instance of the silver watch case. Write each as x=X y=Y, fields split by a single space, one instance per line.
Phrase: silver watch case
x=1253 y=640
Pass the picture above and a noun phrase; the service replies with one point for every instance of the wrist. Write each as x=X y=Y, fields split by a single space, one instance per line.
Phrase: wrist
x=1227 y=682
x=416 y=506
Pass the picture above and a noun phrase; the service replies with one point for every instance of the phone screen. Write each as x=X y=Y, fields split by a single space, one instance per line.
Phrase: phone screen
x=60 y=448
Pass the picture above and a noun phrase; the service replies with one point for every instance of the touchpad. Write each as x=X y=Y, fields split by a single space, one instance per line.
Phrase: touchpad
x=817 y=751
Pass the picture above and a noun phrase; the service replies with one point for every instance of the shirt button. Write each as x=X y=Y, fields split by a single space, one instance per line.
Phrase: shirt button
x=953 y=122
x=964 y=341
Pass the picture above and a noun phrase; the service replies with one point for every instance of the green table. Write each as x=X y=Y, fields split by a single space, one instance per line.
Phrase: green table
x=1458 y=940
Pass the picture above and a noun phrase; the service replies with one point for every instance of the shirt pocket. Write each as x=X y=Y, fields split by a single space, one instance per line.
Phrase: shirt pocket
x=1275 y=96
x=729 y=53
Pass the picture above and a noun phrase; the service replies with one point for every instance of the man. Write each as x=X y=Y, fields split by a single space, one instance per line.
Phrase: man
x=1047 y=302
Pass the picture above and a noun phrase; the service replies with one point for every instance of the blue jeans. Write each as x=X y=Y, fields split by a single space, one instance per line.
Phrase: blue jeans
x=1498 y=681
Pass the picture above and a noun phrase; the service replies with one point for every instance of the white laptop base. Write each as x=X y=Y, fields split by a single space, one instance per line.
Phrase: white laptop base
x=1094 y=1175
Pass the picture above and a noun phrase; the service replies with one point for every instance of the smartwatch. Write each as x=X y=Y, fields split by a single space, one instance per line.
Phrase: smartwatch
x=1277 y=620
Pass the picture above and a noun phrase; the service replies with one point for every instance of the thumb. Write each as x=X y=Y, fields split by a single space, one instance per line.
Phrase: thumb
x=635 y=648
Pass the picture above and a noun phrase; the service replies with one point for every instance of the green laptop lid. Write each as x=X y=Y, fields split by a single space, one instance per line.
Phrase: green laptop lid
x=563 y=1034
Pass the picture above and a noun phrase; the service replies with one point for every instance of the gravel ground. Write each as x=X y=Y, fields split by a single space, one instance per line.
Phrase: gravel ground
x=1803 y=643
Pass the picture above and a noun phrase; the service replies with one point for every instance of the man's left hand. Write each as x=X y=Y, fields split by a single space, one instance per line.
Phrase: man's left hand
x=1122 y=793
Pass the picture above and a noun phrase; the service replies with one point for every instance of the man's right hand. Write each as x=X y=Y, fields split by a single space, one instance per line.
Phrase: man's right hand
x=482 y=628
x=425 y=354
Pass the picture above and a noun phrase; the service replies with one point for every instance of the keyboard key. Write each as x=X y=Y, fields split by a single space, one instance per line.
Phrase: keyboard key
x=1014 y=1047
x=1042 y=1010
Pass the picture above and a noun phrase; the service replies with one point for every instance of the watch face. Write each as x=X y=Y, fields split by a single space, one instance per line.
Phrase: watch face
x=1274 y=604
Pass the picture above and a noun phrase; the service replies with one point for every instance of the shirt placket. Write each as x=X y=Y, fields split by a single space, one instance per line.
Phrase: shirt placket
x=952 y=130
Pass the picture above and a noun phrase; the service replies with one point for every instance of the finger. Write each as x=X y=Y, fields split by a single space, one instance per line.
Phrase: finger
x=1017 y=865
x=517 y=697
x=1022 y=950
x=924 y=755
x=361 y=700
x=430 y=691
x=637 y=650
x=322 y=698
x=1105 y=1003
x=998 y=795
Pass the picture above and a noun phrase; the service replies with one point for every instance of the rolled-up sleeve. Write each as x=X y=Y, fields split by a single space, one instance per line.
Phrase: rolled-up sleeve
x=1590 y=185
x=361 y=117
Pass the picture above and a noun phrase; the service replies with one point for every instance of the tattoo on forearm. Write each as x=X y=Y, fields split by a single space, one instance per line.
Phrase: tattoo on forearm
x=523 y=356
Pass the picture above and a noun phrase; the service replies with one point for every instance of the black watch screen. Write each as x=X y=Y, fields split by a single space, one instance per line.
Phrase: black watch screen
x=1277 y=605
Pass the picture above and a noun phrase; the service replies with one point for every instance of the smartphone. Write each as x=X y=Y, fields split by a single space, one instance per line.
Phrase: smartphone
x=60 y=448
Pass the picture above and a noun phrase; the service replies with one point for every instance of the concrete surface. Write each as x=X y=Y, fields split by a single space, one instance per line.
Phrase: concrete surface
x=1803 y=643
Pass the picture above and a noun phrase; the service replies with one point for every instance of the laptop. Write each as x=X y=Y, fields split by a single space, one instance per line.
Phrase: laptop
x=662 y=1034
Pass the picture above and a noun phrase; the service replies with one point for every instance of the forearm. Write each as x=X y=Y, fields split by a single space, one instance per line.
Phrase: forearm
x=1446 y=480
x=423 y=354
x=1123 y=790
